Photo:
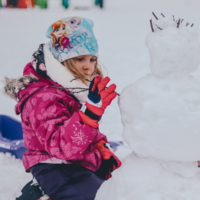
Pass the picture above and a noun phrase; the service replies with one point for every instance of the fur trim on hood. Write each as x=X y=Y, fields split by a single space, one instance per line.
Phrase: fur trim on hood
x=12 y=86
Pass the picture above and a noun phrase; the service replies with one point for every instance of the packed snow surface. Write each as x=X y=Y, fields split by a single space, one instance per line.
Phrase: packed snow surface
x=161 y=113
x=12 y=177
x=150 y=179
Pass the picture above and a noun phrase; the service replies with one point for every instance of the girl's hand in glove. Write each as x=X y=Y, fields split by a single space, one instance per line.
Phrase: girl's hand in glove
x=98 y=99
x=110 y=162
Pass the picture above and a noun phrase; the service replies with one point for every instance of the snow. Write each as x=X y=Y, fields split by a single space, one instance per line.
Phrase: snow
x=121 y=30
x=81 y=4
x=172 y=50
x=160 y=114
x=164 y=106
x=13 y=176
x=157 y=112
x=150 y=179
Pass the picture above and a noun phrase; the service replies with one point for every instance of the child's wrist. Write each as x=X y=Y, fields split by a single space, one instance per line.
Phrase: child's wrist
x=87 y=120
x=87 y=109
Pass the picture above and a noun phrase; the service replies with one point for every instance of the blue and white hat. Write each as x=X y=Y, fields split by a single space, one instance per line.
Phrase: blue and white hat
x=71 y=37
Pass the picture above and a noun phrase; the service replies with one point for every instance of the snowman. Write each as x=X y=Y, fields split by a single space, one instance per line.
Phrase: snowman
x=161 y=117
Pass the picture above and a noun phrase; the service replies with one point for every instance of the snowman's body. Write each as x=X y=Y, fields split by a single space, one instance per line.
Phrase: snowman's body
x=161 y=118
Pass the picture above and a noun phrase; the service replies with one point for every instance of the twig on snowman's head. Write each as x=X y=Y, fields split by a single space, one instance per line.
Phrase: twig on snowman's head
x=187 y=24
x=182 y=20
x=159 y=27
x=173 y=17
x=154 y=15
x=178 y=24
x=151 y=25
x=192 y=25
x=80 y=78
x=162 y=15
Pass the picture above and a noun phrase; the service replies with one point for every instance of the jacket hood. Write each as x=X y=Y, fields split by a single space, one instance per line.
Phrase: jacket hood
x=22 y=88
x=13 y=86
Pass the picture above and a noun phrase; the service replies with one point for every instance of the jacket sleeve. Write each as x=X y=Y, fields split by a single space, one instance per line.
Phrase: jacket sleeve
x=60 y=133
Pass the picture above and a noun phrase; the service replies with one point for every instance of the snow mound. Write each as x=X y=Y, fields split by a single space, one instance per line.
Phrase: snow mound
x=173 y=50
x=161 y=117
x=148 y=179
x=13 y=177
x=161 y=111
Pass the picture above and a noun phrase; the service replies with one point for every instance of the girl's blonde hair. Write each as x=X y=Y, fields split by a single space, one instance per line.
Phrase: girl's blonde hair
x=71 y=66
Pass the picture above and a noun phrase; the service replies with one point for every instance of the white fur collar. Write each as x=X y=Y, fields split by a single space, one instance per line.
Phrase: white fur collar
x=61 y=75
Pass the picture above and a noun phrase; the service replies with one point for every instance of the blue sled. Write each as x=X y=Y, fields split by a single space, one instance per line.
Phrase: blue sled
x=11 y=137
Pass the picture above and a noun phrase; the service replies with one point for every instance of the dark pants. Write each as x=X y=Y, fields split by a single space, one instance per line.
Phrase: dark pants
x=67 y=181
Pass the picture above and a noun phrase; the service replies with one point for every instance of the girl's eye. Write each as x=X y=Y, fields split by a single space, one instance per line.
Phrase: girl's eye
x=79 y=59
x=72 y=22
x=57 y=30
x=63 y=28
x=93 y=60
x=79 y=24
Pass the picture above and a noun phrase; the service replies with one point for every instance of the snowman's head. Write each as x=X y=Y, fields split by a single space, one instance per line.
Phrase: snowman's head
x=173 y=46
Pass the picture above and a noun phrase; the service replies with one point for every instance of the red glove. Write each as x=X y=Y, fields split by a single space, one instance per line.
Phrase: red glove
x=110 y=162
x=98 y=99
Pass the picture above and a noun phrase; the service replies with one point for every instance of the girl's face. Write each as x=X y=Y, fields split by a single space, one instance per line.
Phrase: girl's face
x=60 y=31
x=74 y=23
x=86 y=64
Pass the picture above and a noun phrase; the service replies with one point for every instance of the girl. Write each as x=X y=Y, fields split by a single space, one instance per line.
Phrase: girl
x=61 y=104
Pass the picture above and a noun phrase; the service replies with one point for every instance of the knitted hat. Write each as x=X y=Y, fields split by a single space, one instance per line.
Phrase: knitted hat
x=71 y=37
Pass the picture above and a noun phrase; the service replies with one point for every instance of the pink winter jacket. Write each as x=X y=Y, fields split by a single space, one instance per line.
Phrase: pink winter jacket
x=52 y=126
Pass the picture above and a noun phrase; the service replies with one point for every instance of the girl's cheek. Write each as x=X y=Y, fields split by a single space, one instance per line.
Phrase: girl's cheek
x=78 y=66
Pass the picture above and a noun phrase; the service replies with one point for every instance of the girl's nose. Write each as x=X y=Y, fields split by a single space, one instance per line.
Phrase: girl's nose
x=86 y=68
x=86 y=65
